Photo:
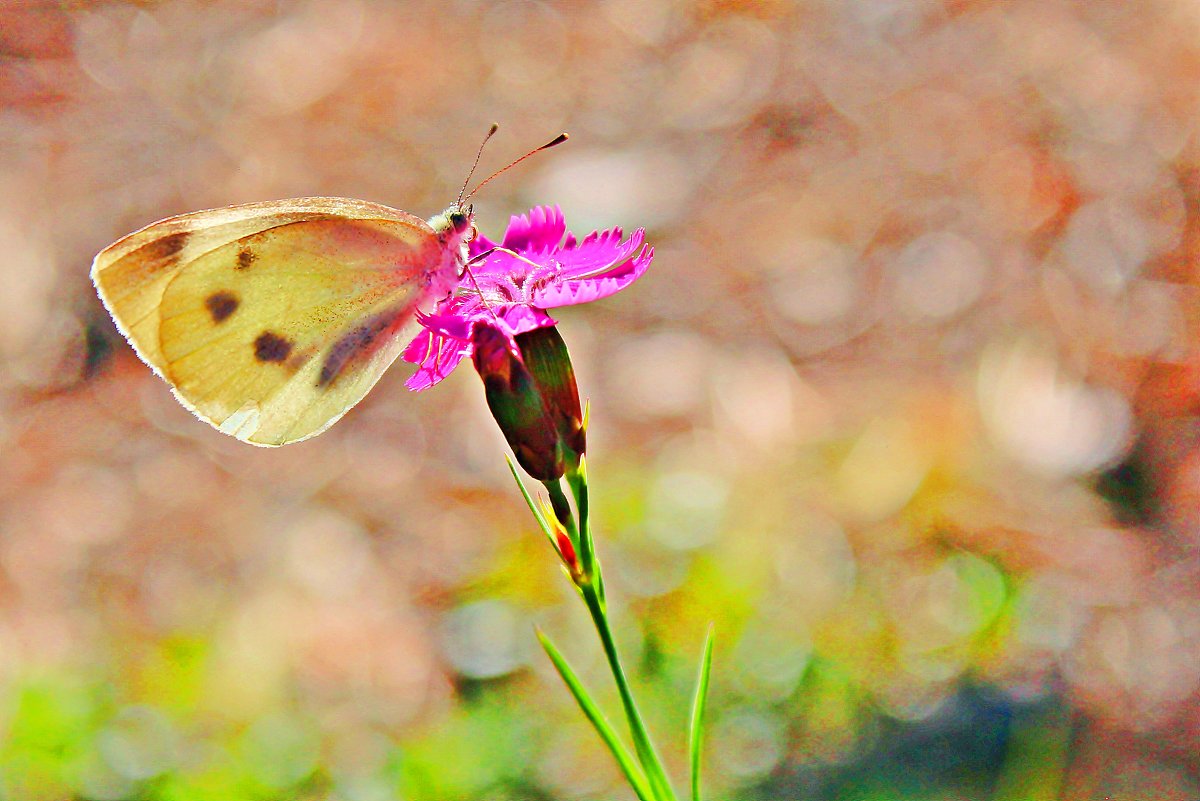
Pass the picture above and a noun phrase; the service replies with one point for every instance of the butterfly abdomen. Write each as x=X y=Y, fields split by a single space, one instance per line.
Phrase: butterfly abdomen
x=360 y=343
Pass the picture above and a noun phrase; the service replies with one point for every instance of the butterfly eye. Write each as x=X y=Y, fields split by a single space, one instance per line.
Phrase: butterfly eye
x=471 y=234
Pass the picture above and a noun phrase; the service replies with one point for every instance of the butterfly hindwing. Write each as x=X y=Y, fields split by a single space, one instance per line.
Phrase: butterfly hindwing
x=271 y=320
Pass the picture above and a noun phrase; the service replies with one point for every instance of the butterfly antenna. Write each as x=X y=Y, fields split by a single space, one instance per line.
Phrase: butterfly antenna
x=491 y=131
x=558 y=140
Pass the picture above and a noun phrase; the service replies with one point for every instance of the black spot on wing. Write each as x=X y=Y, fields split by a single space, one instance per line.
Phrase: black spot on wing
x=220 y=305
x=245 y=258
x=166 y=247
x=271 y=347
x=359 y=343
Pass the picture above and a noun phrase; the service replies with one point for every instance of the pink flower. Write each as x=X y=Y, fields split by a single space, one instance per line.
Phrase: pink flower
x=513 y=293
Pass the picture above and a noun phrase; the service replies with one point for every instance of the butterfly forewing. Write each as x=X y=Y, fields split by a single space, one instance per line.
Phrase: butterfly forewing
x=271 y=320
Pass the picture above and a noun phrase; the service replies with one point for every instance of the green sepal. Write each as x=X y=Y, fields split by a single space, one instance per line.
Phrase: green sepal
x=546 y=357
x=577 y=480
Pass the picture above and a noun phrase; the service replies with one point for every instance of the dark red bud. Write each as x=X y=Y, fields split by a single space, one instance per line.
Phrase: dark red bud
x=517 y=404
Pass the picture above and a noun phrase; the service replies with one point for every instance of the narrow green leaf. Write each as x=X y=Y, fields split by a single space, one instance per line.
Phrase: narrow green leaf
x=626 y=762
x=695 y=737
x=537 y=513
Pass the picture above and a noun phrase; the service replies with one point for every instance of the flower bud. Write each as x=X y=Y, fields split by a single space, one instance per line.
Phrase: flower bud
x=517 y=404
x=546 y=357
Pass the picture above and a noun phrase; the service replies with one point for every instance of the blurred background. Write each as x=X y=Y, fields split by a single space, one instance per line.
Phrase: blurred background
x=907 y=405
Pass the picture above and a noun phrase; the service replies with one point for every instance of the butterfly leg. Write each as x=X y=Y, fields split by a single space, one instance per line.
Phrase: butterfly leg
x=479 y=257
x=500 y=249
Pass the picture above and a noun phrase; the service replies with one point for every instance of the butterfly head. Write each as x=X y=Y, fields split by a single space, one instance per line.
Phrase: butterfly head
x=456 y=225
x=461 y=221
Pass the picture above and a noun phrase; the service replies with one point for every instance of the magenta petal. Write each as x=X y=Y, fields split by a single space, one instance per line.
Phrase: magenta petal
x=543 y=266
x=494 y=267
x=520 y=318
x=436 y=355
x=449 y=319
x=570 y=291
x=598 y=252
x=539 y=231
x=479 y=244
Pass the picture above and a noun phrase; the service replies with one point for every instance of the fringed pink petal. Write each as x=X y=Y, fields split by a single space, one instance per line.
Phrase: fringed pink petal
x=519 y=318
x=479 y=244
x=493 y=268
x=511 y=292
x=572 y=291
x=451 y=318
x=538 y=232
x=598 y=253
x=436 y=355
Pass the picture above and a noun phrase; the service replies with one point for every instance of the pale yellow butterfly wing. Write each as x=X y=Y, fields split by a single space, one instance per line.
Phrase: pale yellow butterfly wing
x=271 y=320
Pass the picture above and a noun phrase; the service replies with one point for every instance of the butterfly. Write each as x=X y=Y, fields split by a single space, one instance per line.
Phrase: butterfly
x=271 y=320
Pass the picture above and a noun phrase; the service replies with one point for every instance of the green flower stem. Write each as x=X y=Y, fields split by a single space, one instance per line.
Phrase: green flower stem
x=590 y=583
x=592 y=589
x=641 y=738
